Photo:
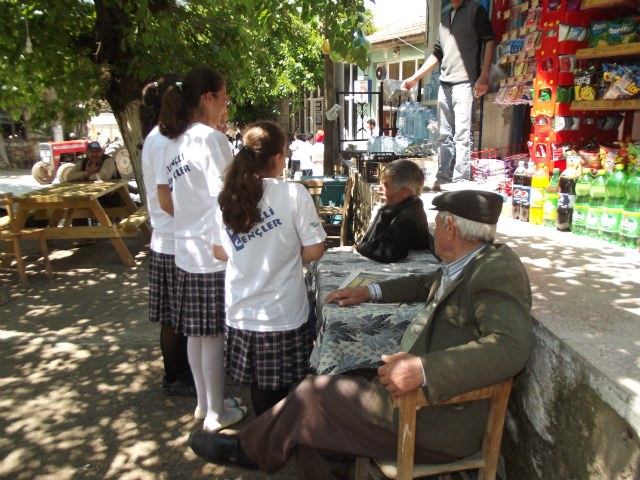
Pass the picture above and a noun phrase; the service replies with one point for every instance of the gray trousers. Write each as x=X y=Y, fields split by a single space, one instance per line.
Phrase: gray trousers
x=323 y=421
x=456 y=112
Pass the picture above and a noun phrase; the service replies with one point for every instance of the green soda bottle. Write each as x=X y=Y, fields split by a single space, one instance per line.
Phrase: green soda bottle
x=612 y=208
x=598 y=193
x=580 y=208
x=550 y=204
x=630 y=222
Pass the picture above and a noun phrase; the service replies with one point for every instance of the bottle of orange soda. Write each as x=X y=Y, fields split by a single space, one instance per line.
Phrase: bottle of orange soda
x=539 y=183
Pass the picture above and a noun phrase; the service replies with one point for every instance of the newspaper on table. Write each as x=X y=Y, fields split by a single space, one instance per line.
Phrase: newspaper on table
x=361 y=278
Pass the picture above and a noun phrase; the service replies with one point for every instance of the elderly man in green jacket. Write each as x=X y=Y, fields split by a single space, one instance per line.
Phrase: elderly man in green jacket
x=475 y=331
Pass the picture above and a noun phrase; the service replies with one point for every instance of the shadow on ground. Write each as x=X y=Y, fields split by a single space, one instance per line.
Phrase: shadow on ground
x=81 y=374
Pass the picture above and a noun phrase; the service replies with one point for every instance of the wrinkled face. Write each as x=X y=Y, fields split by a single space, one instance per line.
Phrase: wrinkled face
x=390 y=196
x=94 y=156
x=438 y=236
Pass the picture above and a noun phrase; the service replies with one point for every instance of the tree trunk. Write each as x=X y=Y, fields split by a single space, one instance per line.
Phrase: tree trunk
x=129 y=124
x=4 y=158
x=331 y=130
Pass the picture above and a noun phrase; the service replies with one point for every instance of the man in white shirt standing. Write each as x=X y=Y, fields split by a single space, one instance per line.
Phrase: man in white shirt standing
x=295 y=155
x=306 y=155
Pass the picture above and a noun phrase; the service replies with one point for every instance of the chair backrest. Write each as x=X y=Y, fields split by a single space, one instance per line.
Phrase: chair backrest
x=411 y=401
x=345 y=212
x=315 y=189
x=6 y=199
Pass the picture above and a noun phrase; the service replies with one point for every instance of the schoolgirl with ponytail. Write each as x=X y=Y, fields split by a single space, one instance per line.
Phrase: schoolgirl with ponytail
x=162 y=268
x=266 y=228
x=195 y=160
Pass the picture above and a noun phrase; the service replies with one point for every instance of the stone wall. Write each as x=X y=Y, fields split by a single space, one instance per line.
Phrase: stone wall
x=22 y=152
x=558 y=427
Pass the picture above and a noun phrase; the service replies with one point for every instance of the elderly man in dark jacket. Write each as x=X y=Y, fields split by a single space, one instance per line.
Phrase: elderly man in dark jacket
x=401 y=223
x=473 y=332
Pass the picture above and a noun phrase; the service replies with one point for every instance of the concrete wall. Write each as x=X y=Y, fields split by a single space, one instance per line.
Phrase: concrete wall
x=558 y=427
x=22 y=152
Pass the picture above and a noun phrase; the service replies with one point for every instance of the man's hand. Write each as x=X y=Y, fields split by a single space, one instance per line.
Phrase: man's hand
x=91 y=171
x=349 y=248
x=401 y=373
x=482 y=85
x=351 y=296
x=408 y=84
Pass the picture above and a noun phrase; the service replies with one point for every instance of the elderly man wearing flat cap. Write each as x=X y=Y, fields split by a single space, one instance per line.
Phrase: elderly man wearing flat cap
x=474 y=331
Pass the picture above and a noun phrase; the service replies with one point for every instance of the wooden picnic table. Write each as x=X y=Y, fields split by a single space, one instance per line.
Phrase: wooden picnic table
x=81 y=200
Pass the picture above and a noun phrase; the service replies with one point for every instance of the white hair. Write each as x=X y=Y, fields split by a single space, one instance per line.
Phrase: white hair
x=470 y=231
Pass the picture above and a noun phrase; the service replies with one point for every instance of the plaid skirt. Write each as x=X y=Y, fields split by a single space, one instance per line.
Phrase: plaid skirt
x=199 y=303
x=162 y=274
x=273 y=359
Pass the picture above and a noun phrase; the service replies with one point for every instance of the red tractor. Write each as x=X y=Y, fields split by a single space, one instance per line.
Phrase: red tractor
x=57 y=158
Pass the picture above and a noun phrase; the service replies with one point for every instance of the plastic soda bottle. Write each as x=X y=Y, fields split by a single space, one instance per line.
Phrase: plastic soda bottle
x=539 y=182
x=566 y=198
x=551 y=200
x=594 y=213
x=630 y=222
x=581 y=207
x=612 y=208
x=516 y=189
x=525 y=193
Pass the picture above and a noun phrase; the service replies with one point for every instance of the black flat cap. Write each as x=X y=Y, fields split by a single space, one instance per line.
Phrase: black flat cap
x=476 y=205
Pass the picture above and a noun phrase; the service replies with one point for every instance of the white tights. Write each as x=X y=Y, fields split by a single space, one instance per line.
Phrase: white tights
x=206 y=357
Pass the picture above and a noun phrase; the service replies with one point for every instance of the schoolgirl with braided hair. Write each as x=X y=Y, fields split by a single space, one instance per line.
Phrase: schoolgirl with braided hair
x=265 y=229
x=195 y=161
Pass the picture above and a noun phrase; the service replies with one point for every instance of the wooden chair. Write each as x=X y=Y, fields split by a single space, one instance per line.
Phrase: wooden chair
x=486 y=460
x=13 y=235
x=315 y=189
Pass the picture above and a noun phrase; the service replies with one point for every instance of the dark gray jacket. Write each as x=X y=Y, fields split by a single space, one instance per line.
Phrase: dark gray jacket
x=459 y=44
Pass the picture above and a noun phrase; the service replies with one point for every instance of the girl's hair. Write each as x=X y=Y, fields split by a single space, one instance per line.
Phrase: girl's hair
x=243 y=190
x=183 y=98
x=152 y=95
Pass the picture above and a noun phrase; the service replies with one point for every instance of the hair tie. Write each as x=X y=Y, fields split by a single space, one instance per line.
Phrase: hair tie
x=250 y=150
x=179 y=85
x=155 y=85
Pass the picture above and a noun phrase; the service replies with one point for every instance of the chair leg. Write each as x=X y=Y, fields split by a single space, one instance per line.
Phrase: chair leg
x=45 y=255
x=19 y=262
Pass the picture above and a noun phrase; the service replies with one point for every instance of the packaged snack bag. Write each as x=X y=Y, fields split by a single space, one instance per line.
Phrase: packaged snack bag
x=599 y=33
x=564 y=94
x=623 y=32
x=566 y=63
x=624 y=87
x=585 y=83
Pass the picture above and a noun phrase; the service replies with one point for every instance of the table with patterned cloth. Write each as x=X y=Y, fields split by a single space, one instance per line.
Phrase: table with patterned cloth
x=355 y=337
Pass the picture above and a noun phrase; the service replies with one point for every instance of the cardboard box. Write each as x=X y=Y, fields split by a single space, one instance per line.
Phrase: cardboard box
x=429 y=167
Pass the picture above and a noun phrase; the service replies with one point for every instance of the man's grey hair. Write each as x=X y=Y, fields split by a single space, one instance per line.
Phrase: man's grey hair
x=405 y=173
x=470 y=231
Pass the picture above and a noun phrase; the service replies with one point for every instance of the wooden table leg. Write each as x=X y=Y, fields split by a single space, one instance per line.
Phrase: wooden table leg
x=9 y=249
x=131 y=206
x=68 y=218
x=117 y=242
x=53 y=223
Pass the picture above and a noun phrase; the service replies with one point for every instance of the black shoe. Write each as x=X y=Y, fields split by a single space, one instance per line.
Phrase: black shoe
x=220 y=449
x=179 y=388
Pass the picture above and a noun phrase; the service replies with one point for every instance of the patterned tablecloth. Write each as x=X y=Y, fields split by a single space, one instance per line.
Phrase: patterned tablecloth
x=355 y=337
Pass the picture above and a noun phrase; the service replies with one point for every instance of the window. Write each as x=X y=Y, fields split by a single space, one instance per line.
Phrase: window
x=394 y=71
x=408 y=68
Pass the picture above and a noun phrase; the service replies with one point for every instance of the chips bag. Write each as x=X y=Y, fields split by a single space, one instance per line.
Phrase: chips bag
x=623 y=32
x=584 y=82
x=599 y=33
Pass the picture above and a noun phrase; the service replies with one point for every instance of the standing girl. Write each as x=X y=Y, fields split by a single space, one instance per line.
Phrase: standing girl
x=194 y=163
x=162 y=267
x=266 y=229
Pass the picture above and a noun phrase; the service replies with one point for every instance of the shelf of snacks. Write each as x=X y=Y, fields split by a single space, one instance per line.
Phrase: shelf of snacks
x=594 y=4
x=623 y=50
x=633 y=104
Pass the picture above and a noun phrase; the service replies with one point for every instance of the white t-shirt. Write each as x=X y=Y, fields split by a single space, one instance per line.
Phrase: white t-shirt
x=318 y=159
x=154 y=173
x=195 y=163
x=264 y=288
x=306 y=152
x=295 y=148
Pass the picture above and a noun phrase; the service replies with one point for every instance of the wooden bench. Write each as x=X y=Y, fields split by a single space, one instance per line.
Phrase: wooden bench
x=133 y=221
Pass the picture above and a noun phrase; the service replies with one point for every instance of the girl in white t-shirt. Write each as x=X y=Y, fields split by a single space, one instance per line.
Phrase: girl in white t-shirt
x=195 y=160
x=162 y=266
x=266 y=228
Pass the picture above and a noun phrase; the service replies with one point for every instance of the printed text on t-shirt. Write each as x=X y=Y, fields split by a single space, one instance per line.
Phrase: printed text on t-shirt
x=175 y=170
x=260 y=228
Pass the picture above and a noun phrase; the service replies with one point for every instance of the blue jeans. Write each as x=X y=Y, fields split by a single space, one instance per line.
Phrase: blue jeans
x=456 y=111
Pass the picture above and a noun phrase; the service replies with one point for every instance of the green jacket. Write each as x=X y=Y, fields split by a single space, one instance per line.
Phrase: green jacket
x=477 y=334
